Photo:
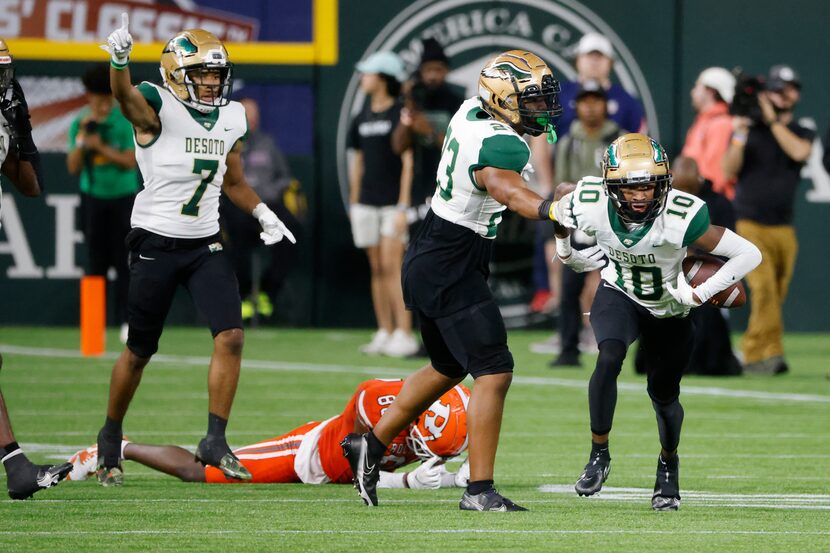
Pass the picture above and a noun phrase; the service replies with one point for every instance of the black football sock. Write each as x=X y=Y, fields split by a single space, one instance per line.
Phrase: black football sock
x=376 y=447
x=112 y=429
x=109 y=443
x=216 y=427
x=12 y=457
x=475 y=488
x=600 y=449
x=669 y=423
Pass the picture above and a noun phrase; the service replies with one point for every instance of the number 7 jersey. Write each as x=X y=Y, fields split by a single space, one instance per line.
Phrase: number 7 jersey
x=642 y=260
x=184 y=166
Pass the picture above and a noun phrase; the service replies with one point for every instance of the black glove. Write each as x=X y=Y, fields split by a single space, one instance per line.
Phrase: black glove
x=15 y=110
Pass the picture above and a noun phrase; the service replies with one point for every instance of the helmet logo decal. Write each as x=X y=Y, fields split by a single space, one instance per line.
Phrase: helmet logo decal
x=505 y=70
x=613 y=160
x=659 y=154
x=436 y=419
x=182 y=45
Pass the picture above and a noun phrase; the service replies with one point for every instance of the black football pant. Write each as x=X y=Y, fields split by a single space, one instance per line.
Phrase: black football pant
x=666 y=343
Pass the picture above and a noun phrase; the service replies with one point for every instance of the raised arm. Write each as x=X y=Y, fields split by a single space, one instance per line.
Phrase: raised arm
x=133 y=104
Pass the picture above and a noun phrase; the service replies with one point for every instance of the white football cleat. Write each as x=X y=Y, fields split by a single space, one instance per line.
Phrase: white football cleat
x=400 y=344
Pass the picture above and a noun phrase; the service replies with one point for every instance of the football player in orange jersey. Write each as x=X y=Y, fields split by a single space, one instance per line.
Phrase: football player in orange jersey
x=312 y=454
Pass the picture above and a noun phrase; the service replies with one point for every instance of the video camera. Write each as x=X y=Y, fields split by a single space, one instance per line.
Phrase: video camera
x=745 y=101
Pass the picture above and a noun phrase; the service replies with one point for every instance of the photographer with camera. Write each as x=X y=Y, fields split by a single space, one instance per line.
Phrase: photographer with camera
x=102 y=152
x=766 y=154
x=429 y=103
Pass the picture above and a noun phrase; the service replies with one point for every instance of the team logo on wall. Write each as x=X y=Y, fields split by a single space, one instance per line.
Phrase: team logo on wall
x=472 y=31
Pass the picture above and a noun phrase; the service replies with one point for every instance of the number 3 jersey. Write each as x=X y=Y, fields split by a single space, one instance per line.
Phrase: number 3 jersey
x=475 y=140
x=184 y=166
x=643 y=259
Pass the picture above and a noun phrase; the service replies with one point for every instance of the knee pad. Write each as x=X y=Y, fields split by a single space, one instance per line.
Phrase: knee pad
x=611 y=356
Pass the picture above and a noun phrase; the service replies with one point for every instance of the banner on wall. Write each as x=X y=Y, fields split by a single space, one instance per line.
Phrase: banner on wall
x=72 y=30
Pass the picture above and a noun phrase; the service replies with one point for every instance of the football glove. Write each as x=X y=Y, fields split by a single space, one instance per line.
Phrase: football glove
x=426 y=476
x=581 y=261
x=683 y=293
x=564 y=213
x=120 y=42
x=273 y=230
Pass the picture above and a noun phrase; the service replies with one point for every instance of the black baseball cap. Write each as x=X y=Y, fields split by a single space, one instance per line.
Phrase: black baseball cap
x=593 y=88
x=782 y=75
x=433 y=51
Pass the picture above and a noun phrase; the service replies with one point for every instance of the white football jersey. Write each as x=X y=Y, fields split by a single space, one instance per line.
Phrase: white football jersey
x=183 y=168
x=475 y=140
x=643 y=259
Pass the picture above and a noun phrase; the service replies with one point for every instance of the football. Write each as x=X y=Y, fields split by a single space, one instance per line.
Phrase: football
x=699 y=268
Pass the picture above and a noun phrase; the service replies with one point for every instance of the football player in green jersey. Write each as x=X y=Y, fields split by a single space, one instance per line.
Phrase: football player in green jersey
x=643 y=228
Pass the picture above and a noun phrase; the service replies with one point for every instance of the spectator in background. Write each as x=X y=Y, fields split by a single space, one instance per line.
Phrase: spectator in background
x=766 y=156
x=712 y=348
x=269 y=175
x=708 y=137
x=102 y=152
x=594 y=62
x=579 y=154
x=429 y=103
x=379 y=196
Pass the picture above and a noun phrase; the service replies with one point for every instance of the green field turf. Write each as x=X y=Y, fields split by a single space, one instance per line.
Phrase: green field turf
x=755 y=456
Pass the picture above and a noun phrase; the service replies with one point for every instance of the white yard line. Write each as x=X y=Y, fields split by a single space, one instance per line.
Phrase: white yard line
x=267 y=366
x=399 y=531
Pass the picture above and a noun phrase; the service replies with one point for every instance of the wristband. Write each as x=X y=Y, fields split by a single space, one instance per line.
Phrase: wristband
x=739 y=139
x=546 y=210
x=119 y=66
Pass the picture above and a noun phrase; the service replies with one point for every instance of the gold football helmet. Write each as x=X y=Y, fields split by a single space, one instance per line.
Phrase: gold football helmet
x=635 y=160
x=197 y=53
x=6 y=69
x=518 y=88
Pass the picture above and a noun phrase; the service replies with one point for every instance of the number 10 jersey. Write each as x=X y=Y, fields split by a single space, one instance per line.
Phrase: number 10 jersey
x=184 y=166
x=642 y=259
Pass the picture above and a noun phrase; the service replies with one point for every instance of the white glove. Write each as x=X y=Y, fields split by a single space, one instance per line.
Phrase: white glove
x=273 y=230
x=683 y=293
x=581 y=261
x=563 y=212
x=462 y=477
x=120 y=42
x=426 y=476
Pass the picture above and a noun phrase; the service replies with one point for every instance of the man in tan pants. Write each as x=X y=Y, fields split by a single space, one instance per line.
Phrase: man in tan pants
x=766 y=153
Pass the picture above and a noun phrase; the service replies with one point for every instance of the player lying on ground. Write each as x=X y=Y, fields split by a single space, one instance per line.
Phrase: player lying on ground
x=643 y=227
x=20 y=161
x=312 y=454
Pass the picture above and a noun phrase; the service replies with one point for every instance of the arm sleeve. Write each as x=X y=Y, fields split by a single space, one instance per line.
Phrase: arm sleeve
x=743 y=256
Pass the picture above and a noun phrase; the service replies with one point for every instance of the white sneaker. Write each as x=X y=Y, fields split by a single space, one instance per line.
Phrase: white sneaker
x=551 y=346
x=125 y=332
x=401 y=344
x=587 y=340
x=84 y=463
x=378 y=343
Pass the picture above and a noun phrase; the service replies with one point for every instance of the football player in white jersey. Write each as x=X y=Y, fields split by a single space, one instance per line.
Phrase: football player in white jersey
x=188 y=141
x=643 y=227
x=19 y=163
x=447 y=264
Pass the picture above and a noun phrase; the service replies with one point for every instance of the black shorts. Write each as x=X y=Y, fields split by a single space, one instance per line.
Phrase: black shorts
x=471 y=341
x=666 y=343
x=158 y=265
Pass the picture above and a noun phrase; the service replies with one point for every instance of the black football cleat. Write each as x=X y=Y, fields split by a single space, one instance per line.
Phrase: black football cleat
x=366 y=472
x=667 y=486
x=109 y=472
x=594 y=475
x=488 y=500
x=25 y=481
x=216 y=453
